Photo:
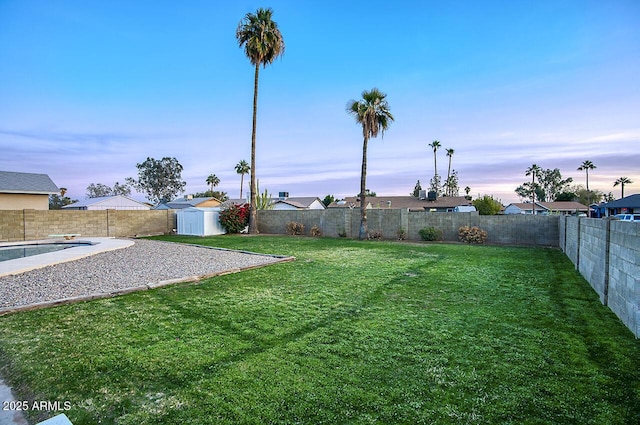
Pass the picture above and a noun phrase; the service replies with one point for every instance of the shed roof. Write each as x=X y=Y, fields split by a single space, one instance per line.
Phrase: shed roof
x=27 y=183
x=186 y=202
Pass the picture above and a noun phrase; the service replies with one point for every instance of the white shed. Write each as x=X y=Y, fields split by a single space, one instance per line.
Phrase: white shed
x=199 y=222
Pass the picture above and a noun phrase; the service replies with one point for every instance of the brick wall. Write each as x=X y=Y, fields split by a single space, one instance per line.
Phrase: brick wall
x=33 y=224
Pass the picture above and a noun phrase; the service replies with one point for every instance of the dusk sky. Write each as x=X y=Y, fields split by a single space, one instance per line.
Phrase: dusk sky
x=89 y=88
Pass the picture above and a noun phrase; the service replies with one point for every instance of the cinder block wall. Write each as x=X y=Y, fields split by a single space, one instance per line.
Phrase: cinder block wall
x=624 y=273
x=33 y=224
x=510 y=230
x=607 y=254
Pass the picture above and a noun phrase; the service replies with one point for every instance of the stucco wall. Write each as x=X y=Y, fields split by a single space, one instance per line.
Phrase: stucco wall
x=15 y=201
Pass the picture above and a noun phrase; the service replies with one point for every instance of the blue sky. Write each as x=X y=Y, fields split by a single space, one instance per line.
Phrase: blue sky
x=90 y=88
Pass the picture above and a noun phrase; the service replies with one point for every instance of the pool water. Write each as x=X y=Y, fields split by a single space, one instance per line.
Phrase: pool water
x=21 y=251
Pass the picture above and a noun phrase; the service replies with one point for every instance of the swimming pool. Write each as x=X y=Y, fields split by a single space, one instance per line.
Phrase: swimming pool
x=20 y=251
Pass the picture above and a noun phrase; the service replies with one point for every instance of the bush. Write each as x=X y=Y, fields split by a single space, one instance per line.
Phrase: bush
x=377 y=235
x=473 y=235
x=295 y=228
x=235 y=218
x=315 y=231
x=402 y=234
x=430 y=234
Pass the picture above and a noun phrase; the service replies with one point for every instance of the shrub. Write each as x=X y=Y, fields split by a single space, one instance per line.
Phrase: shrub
x=473 y=235
x=377 y=235
x=234 y=218
x=402 y=234
x=295 y=228
x=342 y=232
x=430 y=234
x=315 y=231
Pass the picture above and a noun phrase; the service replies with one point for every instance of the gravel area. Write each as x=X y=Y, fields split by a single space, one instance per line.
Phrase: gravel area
x=144 y=263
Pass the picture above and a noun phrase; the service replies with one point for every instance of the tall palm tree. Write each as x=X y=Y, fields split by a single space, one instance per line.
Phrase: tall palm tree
x=586 y=166
x=242 y=168
x=622 y=181
x=450 y=155
x=533 y=171
x=372 y=112
x=213 y=180
x=263 y=43
x=435 y=145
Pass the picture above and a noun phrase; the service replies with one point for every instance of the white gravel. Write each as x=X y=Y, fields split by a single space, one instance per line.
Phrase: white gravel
x=144 y=263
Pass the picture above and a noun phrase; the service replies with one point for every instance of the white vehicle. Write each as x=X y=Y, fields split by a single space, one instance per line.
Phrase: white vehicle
x=464 y=208
x=628 y=217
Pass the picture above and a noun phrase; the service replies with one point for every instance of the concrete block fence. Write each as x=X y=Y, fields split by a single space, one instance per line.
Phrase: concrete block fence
x=607 y=254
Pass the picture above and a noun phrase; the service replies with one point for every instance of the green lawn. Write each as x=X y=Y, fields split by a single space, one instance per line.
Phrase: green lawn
x=350 y=332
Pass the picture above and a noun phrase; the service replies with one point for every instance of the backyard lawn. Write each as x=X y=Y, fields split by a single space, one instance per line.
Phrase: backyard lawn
x=350 y=332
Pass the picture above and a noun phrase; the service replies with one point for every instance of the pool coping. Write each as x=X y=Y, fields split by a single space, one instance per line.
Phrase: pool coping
x=21 y=265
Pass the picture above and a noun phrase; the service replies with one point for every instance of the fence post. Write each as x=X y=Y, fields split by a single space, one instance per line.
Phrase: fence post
x=578 y=246
x=606 y=261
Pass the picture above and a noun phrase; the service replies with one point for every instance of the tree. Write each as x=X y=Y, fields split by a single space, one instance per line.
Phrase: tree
x=586 y=166
x=161 y=180
x=532 y=171
x=242 y=168
x=56 y=202
x=467 y=189
x=99 y=190
x=448 y=185
x=487 y=205
x=213 y=180
x=263 y=43
x=622 y=181
x=328 y=200
x=452 y=184
x=552 y=184
x=416 y=190
x=372 y=112
x=219 y=195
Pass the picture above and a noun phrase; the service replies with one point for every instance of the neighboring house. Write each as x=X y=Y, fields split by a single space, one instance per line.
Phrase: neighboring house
x=21 y=191
x=188 y=202
x=627 y=205
x=443 y=204
x=117 y=202
x=562 y=208
x=298 y=203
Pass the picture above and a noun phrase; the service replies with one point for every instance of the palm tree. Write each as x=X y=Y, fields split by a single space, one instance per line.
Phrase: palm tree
x=622 y=181
x=213 y=180
x=450 y=155
x=373 y=113
x=435 y=145
x=532 y=171
x=586 y=166
x=263 y=43
x=242 y=168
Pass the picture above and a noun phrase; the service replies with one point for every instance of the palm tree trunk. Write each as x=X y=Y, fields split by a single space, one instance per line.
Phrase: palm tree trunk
x=533 y=193
x=253 y=216
x=449 y=191
x=241 y=183
x=363 y=190
x=587 y=171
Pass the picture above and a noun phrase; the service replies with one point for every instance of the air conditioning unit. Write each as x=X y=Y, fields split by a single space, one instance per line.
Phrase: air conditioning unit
x=432 y=195
x=422 y=195
x=283 y=195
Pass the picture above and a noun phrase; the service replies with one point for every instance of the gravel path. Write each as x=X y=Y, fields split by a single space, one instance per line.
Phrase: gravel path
x=144 y=263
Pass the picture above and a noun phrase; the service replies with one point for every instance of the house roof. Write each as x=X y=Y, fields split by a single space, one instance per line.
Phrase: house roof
x=27 y=183
x=631 y=201
x=299 y=201
x=402 y=202
x=180 y=203
x=564 y=206
x=526 y=206
x=99 y=200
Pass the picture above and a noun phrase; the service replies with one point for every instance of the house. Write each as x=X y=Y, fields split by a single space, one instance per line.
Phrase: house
x=20 y=191
x=189 y=202
x=627 y=205
x=117 y=202
x=411 y=203
x=298 y=203
x=561 y=207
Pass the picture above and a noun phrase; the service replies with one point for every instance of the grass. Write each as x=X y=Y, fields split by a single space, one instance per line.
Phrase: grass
x=351 y=332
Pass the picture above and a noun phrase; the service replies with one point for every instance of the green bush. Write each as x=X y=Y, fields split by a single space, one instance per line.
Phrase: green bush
x=473 y=235
x=430 y=234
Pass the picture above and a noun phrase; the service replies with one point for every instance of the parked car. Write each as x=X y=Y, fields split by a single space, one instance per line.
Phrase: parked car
x=628 y=217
